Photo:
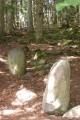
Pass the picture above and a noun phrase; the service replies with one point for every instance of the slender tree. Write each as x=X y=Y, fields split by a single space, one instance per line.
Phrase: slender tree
x=12 y=18
x=54 y=11
x=1 y=17
x=34 y=11
x=30 y=18
x=39 y=19
x=79 y=14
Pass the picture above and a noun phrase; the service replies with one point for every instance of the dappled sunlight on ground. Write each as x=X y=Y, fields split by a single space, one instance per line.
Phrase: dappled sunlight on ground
x=25 y=103
x=2 y=60
x=10 y=111
x=23 y=96
x=2 y=72
x=3 y=63
x=73 y=57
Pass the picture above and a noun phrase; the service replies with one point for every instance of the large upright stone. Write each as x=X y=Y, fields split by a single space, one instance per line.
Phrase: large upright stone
x=57 y=93
x=17 y=61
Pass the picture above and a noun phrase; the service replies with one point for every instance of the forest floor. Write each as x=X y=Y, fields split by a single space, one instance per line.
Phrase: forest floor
x=16 y=107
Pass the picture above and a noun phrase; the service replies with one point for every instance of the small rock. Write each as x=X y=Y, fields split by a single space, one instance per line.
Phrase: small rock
x=41 y=72
x=12 y=85
x=73 y=113
x=29 y=74
x=42 y=61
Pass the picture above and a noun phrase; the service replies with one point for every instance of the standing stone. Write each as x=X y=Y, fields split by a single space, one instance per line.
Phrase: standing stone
x=73 y=113
x=17 y=61
x=57 y=93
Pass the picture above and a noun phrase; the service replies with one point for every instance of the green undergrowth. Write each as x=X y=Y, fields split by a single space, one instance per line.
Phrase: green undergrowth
x=40 y=59
x=63 y=36
x=52 y=36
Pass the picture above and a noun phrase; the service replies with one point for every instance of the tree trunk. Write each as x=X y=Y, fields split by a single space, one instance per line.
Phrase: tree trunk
x=39 y=19
x=79 y=14
x=54 y=12
x=12 y=18
x=34 y=12
x=30 y=18
x=1 y=17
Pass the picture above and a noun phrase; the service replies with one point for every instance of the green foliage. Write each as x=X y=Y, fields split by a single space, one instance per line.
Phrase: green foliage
x=66 y=3
x=38 y=54
x=71 y=12
x=27 y=38
x=60 y=6
x=63 y=36
x=4 y=39
x=26 y=49
x=10 y=6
